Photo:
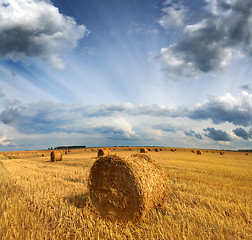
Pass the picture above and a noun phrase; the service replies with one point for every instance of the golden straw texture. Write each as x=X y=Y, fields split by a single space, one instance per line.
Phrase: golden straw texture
x=103 y=152
x=126 y=188
x=56 y=156
x=143 y=150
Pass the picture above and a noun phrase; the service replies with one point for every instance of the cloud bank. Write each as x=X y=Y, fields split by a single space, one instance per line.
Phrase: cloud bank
x=210 y=44
x=125 y=121
x=35 y=28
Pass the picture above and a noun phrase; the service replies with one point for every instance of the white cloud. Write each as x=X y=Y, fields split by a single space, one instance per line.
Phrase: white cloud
x=4 y=141
x=115 y=128
x=174 y=16
x=35 y=28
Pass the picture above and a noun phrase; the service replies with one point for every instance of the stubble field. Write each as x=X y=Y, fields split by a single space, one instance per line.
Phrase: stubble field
x=210 y=197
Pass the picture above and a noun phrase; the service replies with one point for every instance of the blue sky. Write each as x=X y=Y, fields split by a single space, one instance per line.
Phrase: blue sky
x=117 y=72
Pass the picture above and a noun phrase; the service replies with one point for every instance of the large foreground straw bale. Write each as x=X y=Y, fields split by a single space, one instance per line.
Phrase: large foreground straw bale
x=56 y=156
x=126 y=188
x=103 y=152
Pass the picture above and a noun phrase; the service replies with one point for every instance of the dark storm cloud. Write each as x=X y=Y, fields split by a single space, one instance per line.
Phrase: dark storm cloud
x=9 y=115
x=240 y=132
x=36 y=29
x=246 y=87
x=192 y=133
x=165 y=128
x=210 y=44
x=217 y=135
x=189 y=133
x=198 y=135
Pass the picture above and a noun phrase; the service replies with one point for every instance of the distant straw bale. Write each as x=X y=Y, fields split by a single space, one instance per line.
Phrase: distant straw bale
x=103 y=152
x=143 y=150
x=221 y=153
x=149 y=149
x=56 y=156
x=172 y=150
x=198 y=152
x=193 y=151
x=156 y=150
x=127 y=188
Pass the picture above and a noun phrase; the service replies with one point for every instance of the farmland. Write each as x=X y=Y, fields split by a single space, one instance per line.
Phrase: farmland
x=210 y=197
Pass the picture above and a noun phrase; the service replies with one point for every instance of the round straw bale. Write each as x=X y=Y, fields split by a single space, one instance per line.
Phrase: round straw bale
x=172 y=150
x=126 y=188
x=56 y=156
x=221 y=153
x=156 y=150
x=149 y=149
x=103 y=152
x=143 y=150
x=193 y=151
x=198 y=152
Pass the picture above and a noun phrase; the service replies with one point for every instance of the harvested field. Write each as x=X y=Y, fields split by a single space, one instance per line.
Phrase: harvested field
x=210 y=197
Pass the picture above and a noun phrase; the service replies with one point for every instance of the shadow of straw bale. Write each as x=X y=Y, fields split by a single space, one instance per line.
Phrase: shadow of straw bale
x=79 y=201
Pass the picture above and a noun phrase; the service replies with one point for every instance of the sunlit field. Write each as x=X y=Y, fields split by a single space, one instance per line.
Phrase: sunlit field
x=210 y=197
